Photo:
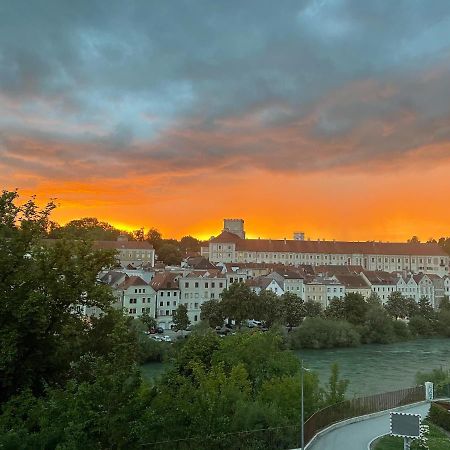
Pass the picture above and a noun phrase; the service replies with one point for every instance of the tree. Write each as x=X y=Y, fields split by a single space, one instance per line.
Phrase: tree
x=238 y=303
x=138 y=235
x=211 y=311
x=154 y=237
x=41 y=328
x=86 y=228
x=414 y=240
x=293 y=309
x=336 y=309
x=425 y=309
x=312 y=308
x=189 y=243
x=169 y=254
x=180 y=318
x=268 y=307
x=355 y=308
x=148 y=320
x=396 y=305
x=336 y=387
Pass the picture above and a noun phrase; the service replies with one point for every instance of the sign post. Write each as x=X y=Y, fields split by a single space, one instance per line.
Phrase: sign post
x=406 y=426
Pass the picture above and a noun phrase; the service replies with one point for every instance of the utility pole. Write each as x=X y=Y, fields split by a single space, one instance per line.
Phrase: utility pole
x=303 y=412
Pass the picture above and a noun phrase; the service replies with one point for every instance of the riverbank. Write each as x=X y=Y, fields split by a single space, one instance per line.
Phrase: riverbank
x=370 y=368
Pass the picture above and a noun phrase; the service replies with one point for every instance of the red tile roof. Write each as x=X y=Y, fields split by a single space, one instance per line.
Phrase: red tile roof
x=330 y=247
x=165 y=281
x=132 y=281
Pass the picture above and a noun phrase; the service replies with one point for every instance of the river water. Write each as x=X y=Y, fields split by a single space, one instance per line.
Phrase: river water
x=369 y=368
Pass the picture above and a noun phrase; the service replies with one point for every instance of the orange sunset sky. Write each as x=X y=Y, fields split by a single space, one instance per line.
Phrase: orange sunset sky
x=317 y=116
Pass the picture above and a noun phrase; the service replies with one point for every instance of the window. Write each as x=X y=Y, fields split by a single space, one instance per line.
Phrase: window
x=196 y=284
x=135 y=291
x=213 y=285
x=167 y=312
x=133 y=300
x=196 y=305
x=168 y=294
x=132 y=310
x=161 y=293
x=174 y=303
x=186 y=284
x=143 y=300
x=206 y=285
x=167 y=303
x=195 y=318
x=161 y=303
x=220 y=285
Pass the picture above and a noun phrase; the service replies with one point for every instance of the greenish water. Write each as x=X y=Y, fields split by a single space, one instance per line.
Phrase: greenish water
x=370 y=368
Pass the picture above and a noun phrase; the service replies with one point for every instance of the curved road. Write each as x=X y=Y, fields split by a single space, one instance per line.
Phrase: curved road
x=357 y=435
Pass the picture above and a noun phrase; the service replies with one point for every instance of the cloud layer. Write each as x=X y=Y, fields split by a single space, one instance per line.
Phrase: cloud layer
x=113 y=92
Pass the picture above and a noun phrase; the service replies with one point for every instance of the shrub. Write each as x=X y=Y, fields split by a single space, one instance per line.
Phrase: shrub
x=316 y=332
x=439 y=416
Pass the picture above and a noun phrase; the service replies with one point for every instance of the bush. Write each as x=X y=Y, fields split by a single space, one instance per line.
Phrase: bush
x=316 y=332
x=401 y=330
x=420 y=326
x=439 y=416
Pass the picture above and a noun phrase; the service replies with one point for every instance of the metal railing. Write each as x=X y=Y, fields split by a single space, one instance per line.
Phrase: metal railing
x=360 y=407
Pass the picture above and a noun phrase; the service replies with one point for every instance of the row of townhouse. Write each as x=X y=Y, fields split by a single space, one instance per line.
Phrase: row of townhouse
x=229 y=247
x=160 y=293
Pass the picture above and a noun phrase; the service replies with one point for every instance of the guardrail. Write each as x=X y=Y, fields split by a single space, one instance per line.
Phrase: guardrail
x=361 y=406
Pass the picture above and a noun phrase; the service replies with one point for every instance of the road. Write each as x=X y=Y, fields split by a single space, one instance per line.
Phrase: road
x=356 y=436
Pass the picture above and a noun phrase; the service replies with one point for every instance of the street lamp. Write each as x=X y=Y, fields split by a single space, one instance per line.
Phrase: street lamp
x=302 y=409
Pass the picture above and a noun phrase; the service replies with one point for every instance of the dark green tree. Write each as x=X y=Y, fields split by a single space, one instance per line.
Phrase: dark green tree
x=293 y=309
x=396 y=305
x=211 y=311
x=180 y=318
x=169 y=254
x=154 y=237
x=148 y=320
x=44 y=289
x=312 y=308
x=238 y=303
x=336 y=387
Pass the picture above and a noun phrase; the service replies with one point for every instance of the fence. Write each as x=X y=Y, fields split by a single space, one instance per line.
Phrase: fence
x=359 y=407
x=281 y=438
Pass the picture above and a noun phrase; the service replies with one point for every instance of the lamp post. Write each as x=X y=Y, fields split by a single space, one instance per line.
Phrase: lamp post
x=302 y=406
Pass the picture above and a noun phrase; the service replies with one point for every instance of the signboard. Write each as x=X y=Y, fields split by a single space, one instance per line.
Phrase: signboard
x=405 y=425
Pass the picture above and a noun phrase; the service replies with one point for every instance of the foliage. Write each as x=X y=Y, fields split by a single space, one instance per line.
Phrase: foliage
x=292 y=309
x=148 y=321
x=238 y=302
x=312 y=308
x=378 y=326
x=396 y=305
x=180 y=318
x=189 y=243
x=436 y=376
x=352 y=308
x=439 y=416
x=169 y=254
x=87 y=228
x=336 y=387
x=421 y=326
x=316 y=332
x=41 y=328
x=211 y=311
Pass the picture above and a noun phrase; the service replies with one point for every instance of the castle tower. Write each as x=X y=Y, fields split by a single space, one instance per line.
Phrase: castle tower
x=235 y=226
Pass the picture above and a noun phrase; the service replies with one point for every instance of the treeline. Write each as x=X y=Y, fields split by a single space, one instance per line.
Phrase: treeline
x=67 y=382
x=346 y=322
x=169 y=251
x=443 y=242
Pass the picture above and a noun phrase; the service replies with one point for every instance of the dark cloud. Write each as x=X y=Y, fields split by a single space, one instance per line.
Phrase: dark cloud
x=161 y=87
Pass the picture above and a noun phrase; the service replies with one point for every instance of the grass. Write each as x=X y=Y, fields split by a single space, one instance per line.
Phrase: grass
x=437 y=440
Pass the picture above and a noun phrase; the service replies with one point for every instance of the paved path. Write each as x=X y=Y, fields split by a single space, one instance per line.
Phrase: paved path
x=356 y=436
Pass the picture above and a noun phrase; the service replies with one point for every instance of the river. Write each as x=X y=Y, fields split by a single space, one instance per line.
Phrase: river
x=369 y=368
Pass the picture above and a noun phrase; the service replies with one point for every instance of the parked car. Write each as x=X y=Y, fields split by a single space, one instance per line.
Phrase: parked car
x=253 y=323
x=167 y=339
x=160 y=330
